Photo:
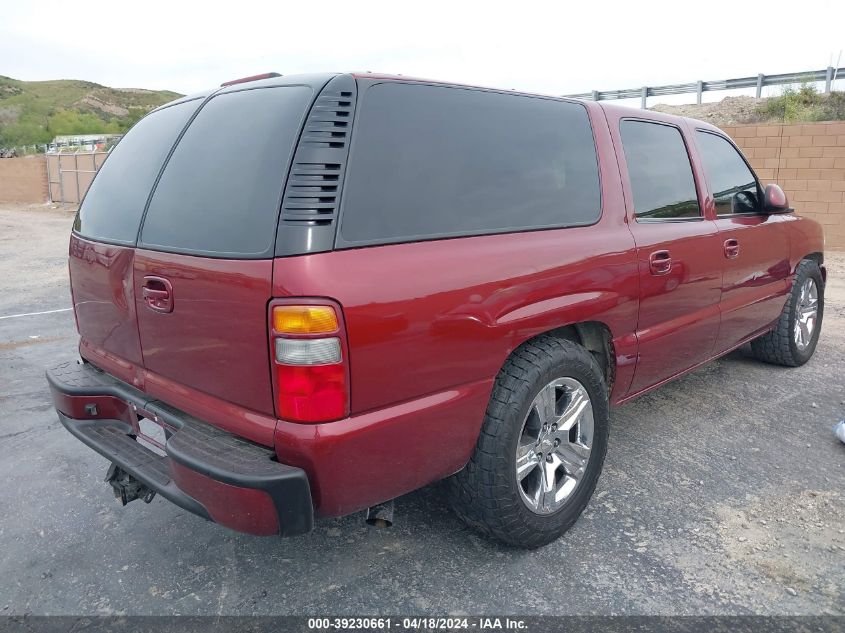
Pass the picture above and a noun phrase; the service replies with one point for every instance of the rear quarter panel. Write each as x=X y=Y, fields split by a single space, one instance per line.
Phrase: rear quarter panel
x=424 y=317
x=429 y=326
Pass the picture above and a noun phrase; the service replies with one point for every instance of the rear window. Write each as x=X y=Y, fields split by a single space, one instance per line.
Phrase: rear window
x=220 y=192
x=433 y=161
x=115 y=201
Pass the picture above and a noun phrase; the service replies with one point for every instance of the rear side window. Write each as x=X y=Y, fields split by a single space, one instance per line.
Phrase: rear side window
x=734 y=186
x=660 y=171
x=220 y=192
x=432 y=161
x=115 y=201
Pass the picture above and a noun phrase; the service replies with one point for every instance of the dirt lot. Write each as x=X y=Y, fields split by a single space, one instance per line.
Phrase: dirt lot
x=728 y=111
x=745 y=110
x=722 y=494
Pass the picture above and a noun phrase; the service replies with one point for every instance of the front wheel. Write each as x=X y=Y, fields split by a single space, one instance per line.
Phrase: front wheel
x=796 y=334
x=541 y=447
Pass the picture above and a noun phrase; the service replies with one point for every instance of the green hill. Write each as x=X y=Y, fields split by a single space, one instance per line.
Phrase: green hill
x=36 y=111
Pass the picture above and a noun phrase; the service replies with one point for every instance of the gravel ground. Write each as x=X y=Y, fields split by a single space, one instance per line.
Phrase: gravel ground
x=722 y=494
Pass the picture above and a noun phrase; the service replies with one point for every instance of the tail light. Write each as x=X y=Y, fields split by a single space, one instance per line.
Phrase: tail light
x=309 y=364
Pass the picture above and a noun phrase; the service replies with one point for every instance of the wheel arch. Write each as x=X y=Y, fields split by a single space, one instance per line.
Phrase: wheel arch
x=594 y=336
x=817 y=257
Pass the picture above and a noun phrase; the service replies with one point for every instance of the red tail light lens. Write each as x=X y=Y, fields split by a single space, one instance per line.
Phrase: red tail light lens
x=307 y=343
x=311 y=393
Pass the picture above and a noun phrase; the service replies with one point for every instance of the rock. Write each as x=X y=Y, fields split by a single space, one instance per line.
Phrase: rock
x=742 y=539
x=791 y=591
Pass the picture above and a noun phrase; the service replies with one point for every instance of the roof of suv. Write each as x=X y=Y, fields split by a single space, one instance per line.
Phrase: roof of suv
x=318 y=80
x=315 y=80
x=654 y=115
x=620 y=109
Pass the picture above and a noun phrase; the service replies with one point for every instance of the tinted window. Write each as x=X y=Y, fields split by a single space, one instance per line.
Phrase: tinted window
x=660 y=171
x=115 y=201
x=733 y=184
x=219 y=194
x=434 y=161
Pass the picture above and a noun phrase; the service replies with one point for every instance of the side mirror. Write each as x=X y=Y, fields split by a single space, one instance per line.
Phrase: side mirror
x=774 y=200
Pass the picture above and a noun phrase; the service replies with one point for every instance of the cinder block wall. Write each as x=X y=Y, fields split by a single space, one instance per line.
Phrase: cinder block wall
x=808 y=161
x=23 y=179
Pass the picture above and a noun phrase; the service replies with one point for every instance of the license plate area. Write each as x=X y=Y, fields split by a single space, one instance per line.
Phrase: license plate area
x=152 y=435
x=149 y=432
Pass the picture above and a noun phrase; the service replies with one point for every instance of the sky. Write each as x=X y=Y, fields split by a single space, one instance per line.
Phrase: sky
x=546 y=47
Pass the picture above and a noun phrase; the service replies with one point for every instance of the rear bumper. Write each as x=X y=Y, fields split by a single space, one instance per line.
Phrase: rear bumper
x=207 y=471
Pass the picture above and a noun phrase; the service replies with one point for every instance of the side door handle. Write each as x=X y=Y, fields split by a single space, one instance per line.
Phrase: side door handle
x=732 y=248
x=660 y=263
x=157 y=293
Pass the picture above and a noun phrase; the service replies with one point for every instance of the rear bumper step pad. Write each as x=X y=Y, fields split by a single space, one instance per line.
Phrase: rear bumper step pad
x=230 y=480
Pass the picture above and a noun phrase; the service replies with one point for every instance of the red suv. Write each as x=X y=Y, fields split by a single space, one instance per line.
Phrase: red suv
x=302 y=296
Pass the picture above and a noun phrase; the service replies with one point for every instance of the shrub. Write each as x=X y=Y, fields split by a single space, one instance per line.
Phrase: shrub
x=804 y=104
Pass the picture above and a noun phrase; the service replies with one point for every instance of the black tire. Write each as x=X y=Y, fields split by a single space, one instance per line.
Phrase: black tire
x=485 y=493
x=779 y=346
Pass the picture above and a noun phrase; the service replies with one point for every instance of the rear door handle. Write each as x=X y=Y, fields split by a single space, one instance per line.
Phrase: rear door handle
x=731 y=248
x=158 y=294
x=660 y=263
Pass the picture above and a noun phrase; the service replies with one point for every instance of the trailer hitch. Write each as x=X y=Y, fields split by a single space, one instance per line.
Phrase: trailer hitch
x=126 y=487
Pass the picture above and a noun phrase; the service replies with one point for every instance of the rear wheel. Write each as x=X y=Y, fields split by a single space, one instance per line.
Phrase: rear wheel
x=796 y=334
x=541 y=447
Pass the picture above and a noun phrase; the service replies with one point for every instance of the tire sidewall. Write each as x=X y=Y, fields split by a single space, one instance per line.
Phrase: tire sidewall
x=808 y=270
x=589 y=375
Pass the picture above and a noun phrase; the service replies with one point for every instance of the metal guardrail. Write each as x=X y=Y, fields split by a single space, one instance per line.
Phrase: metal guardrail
x=827 y=75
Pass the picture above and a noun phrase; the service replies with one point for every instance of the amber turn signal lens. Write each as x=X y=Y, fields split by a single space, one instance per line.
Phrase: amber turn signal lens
x=304 y=319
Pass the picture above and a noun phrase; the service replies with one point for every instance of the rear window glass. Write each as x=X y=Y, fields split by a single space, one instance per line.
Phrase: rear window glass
x=115 y=201
x=220 y=192
x=432 y=162
x=660 y=171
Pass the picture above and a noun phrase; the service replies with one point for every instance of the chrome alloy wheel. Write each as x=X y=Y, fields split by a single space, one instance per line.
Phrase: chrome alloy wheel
x=554 y=445
x=806 y=313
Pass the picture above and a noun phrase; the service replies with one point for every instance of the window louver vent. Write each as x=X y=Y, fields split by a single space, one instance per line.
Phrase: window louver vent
x=313 y=189
x=311 y=194
x=329 y=121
